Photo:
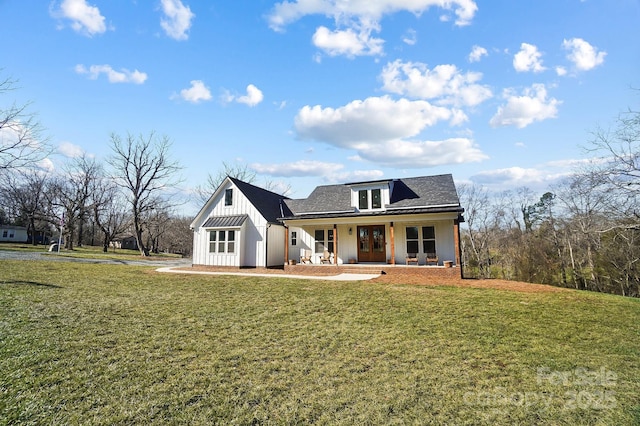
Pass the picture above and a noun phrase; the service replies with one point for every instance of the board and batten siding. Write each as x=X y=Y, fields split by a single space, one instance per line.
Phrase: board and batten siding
x=255 y=235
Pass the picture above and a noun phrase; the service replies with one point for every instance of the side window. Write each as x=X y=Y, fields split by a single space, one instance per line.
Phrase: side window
x=231 y=244
x=228 y=197
x=319 y=237
x=294 y=238
x=412 y=239
x=212 y=241
x=429 y=239
x=330 y=240
x=221 y=241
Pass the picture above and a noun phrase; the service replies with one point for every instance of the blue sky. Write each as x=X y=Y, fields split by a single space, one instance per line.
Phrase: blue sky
x=311 y=92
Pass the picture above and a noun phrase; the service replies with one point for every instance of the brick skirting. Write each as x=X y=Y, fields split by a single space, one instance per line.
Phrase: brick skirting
x=427 y=272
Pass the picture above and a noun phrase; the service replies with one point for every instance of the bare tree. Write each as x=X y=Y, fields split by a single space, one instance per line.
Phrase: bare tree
x=71 y=194
x=238 y=171
x=144 y=169
x=621 y=150
x=179 y=237
x=110 y=212
x=158 y=223
x=23 y=194
x=478 y=220
x=21 y=142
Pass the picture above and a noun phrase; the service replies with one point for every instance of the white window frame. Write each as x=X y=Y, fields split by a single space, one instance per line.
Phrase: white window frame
x=420 y=240
x=326 y=243
x=369 y=198
x=228 y=197
x=222 y=244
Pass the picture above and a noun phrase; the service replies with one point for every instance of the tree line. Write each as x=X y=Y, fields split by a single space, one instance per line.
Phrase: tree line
x=98 y=204
x=583 y=233
x=128 y=195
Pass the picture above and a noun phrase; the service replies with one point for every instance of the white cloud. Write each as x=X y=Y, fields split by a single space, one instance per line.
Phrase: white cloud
x=561 y=71
x=477 y=52
x=287 y=12
x=542 y=176
x=198 y=92
x=512 y=176
x=177 y=20
x=374 y=119
x=122 y=76
x=85 y=19
x=528 y=59
x=253 y=97
x=410 y=37
x=46 y=165
x=70 y=150
x=445 y=83
x=583 y=55
x=531 y=106
x=356 y=20
x=417 y=154
x=379 y=130
x=350 y=42
x=298 y=168
x=330 y=172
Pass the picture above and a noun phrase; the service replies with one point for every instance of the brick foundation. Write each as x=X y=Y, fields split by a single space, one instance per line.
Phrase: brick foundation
x=392 y=273
x=426 y=272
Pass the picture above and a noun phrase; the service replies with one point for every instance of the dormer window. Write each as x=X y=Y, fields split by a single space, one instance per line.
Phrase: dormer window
x=376 y=199
x=370 y=199
x=363 y=199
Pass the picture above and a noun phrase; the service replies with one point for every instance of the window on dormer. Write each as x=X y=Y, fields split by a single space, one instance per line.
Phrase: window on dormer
x=363 y=199
x=376 y=199
x=370 y=199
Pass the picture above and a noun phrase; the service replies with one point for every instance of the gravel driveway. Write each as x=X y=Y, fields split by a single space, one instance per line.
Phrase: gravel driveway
x=19 y=255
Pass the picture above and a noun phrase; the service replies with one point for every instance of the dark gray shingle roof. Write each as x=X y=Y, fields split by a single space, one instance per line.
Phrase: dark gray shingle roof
x=269 y=204
x=417 y=194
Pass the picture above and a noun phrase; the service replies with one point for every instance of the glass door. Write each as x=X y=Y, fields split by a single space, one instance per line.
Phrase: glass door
x=371 y=243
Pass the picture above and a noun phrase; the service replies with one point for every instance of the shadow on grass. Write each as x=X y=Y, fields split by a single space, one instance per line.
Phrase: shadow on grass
x=33 y=283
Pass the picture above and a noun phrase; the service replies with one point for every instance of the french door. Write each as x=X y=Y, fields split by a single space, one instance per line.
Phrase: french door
x=371 y=243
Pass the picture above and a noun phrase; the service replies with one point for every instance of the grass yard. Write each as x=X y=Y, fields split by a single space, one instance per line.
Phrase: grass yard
x=105 y=344
x=89 y=252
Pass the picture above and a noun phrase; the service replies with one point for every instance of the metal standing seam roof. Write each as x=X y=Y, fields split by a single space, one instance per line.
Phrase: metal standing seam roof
x=235 y=221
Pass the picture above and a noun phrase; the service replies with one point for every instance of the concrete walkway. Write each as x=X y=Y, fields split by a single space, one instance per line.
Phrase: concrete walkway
x=339 y=277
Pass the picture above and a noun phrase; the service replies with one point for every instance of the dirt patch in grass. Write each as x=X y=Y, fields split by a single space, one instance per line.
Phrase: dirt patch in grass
x=473 y=283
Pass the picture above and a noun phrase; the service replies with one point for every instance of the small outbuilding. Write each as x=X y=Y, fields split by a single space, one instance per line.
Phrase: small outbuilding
x=13 y=234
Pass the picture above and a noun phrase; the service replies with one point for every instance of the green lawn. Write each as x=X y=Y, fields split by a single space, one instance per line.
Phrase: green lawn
x=117 y=344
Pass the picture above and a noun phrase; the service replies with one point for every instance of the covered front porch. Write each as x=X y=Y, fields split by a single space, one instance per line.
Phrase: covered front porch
x=374 y=242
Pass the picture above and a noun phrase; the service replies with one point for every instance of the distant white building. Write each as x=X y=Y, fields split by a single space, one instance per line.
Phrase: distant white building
x=14 y=234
